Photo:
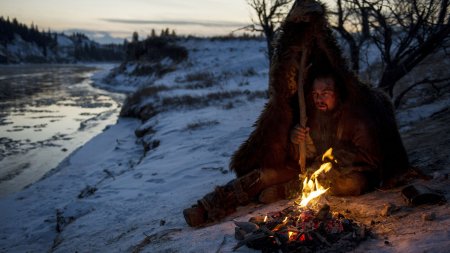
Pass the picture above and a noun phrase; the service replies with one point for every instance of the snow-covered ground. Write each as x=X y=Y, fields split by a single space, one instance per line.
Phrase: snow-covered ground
x=111 y=195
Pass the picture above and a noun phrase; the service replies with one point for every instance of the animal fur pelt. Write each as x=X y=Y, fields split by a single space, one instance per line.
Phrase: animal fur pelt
x=306 y=25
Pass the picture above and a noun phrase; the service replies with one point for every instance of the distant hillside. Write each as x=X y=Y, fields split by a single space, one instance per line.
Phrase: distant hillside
x=156 y=56
x=22 y=44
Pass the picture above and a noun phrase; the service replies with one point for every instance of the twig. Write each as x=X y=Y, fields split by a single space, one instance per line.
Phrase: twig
x=150 y=238
x=302 y=74
x=321 y=238
x=109 y=173
x=221 y=244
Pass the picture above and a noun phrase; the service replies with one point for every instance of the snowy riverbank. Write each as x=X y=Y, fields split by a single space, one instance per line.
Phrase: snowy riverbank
x=47 y=112
x=112 y=196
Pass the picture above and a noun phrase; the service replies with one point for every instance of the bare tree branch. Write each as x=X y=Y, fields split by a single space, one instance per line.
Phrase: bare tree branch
x=404 y=32
x=443 y=12
x=424 y=81
x=270 y=14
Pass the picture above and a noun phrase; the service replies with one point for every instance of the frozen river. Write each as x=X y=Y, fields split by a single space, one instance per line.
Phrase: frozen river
x=46 y=112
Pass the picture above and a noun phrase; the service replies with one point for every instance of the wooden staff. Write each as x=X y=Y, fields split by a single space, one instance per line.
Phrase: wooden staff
x=302 y=72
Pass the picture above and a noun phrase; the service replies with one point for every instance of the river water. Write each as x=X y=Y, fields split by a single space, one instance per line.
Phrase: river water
x=46 y=112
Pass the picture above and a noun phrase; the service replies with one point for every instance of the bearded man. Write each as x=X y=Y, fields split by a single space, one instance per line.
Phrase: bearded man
x=332 y=123
x=343 y=113
x=351 y=134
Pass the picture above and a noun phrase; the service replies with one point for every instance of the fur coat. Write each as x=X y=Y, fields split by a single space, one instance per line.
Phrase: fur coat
x=268 y=144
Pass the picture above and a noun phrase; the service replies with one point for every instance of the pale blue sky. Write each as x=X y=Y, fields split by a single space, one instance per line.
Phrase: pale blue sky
x=121 y=18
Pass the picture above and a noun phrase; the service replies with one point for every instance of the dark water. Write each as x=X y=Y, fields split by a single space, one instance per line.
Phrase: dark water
x=46 y=112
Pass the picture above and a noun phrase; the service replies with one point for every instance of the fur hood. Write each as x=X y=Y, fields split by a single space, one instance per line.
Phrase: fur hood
x=267 y=146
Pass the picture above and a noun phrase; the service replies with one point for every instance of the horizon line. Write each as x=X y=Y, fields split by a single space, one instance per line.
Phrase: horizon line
x=217 y=23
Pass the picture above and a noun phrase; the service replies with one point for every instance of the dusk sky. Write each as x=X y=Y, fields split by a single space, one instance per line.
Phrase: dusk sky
x=115 y=18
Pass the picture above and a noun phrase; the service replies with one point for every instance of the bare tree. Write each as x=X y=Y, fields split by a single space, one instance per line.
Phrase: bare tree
x=351 y=21
x=404 y=32
x=270 y=14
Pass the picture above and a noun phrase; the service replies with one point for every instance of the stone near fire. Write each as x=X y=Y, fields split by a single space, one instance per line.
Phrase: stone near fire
x=429 y=216
x=324 y=212
x=416 y=195
x=388 y=209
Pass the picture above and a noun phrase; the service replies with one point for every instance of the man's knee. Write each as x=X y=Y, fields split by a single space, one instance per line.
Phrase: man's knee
x=268 y=176
x=352 y=184
x=271 y=176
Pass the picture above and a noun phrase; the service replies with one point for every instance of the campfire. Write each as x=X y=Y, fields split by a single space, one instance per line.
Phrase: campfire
x=306 y=226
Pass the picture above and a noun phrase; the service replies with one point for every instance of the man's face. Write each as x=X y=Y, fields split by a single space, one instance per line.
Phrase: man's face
x=324 y=95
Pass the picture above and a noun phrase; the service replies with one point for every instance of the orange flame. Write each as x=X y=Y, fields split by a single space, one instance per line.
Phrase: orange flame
x=311 y=187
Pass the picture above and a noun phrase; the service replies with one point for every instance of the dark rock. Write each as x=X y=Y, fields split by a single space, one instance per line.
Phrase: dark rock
x=419 y=194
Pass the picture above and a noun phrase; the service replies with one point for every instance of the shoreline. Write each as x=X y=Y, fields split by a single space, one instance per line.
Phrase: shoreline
x=25 y=161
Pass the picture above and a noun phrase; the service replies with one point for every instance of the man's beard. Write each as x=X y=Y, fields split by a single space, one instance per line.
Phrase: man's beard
x=325 y=129
x=324 y=116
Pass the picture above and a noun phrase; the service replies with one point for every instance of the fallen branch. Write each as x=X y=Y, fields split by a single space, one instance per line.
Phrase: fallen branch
x=221 y=244
x=153 y=237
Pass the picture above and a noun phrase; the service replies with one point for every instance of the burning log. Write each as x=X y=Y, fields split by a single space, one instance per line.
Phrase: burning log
x=297 y=229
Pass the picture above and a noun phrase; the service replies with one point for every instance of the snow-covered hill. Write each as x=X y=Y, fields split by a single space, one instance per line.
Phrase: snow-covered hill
x=121 y=193
x=65 y=51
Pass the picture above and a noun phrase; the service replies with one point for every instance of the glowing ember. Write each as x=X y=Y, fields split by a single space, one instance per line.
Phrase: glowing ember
x=311 y=186
x=280 y=225
x=300 y=228
x=292 y=235
x=297 y=229
x=302 y=237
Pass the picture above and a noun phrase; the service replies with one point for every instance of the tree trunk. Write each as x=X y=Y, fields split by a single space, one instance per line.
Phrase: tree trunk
x=269 y=41
x=390 y=76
